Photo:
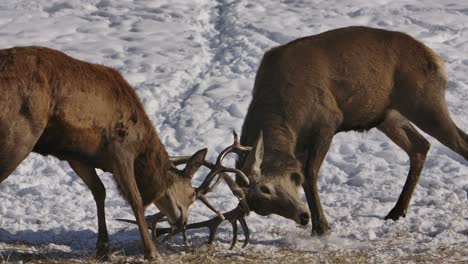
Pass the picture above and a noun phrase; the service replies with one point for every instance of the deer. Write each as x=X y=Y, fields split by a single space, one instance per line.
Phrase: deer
x=88 y=115
x=308 y=90
x=346 y=79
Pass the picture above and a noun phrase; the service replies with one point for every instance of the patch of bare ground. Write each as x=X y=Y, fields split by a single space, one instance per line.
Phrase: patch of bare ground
x=22 y=253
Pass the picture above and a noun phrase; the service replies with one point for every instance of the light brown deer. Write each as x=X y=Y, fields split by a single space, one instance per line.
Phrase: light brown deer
x=353 y=78
x=88 y=115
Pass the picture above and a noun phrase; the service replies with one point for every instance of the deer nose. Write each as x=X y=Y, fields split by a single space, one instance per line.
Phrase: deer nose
x=304 y=219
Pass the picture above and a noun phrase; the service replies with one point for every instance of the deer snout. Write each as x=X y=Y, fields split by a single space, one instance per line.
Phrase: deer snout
x=181 y=218
x=304 y=218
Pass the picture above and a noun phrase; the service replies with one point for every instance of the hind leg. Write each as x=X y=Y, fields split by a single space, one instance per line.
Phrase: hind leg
x=402 y=133
x=463 y=135
x=428 y=111
x=15 y=145
x=91 y=179
x=16 y=142
x=439 y=125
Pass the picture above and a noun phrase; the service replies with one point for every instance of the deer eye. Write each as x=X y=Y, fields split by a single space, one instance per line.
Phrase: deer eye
x=264 y=189
x=297 y=178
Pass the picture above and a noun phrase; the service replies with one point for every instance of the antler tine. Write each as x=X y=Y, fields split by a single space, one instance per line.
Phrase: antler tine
x=210 y=206
x=216 y=168
x=245 y=228
x=236 y=190
x=184 y=236
x=205 y=186
x=237 y=214
x=237 y=172
x=237 y=143
x=234 y=234
x=212 y=224
x=235 y=147
x=150 y=220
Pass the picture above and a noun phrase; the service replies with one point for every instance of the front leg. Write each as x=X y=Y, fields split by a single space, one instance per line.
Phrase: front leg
x=316 y=154
x=124 y=174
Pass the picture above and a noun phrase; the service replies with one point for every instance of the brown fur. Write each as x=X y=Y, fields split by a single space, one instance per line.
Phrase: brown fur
x=86 y=114
x=353 y=78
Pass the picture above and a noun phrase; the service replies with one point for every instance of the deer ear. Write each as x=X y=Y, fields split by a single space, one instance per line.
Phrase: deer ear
x=194 y=163
x=254 y=158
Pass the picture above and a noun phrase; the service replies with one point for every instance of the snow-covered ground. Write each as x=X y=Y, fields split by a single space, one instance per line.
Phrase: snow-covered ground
x=193 y=64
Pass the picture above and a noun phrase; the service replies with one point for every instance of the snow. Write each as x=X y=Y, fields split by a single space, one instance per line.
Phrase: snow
x=193 y=64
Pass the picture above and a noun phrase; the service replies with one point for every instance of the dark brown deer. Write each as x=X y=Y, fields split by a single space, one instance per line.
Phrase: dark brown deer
x=353 y=78
x=88 y=115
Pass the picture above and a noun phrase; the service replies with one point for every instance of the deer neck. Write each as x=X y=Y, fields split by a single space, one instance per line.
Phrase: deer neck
x=278 y=154
x=151 y=170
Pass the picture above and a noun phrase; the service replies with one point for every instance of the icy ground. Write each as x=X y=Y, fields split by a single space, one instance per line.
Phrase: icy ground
x=193 y=64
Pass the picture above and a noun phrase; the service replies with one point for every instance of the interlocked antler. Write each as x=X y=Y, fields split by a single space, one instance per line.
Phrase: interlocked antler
x=219 y=169
x=237 y=214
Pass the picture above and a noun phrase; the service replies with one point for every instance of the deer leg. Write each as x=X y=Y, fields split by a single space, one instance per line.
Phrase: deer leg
x=316 y=154
x=12 y=158
x=430 y=113
x=402 y=133
x=125 y=177
x=439 y=125
x=16 y=142
x=463 y=135
x=91 y=179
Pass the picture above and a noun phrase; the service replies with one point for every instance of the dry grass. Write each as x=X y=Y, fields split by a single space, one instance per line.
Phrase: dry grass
x=20 y=253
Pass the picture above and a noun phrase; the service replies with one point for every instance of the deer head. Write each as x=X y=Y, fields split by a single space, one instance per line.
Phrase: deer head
x=177 y=199
x=281 y=197
x=274 y=188
x=210 y=182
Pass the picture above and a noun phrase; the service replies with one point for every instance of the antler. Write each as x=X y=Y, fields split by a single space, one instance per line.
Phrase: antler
x=237 y=214
x=219 y=169
x=151 y=221
x=233 y=216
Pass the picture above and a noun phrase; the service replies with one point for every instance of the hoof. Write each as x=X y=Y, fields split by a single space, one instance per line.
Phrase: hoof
x=102 y=257
x=395 y=215
x=320 y=230
x=152 y=256
x=102 y=252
